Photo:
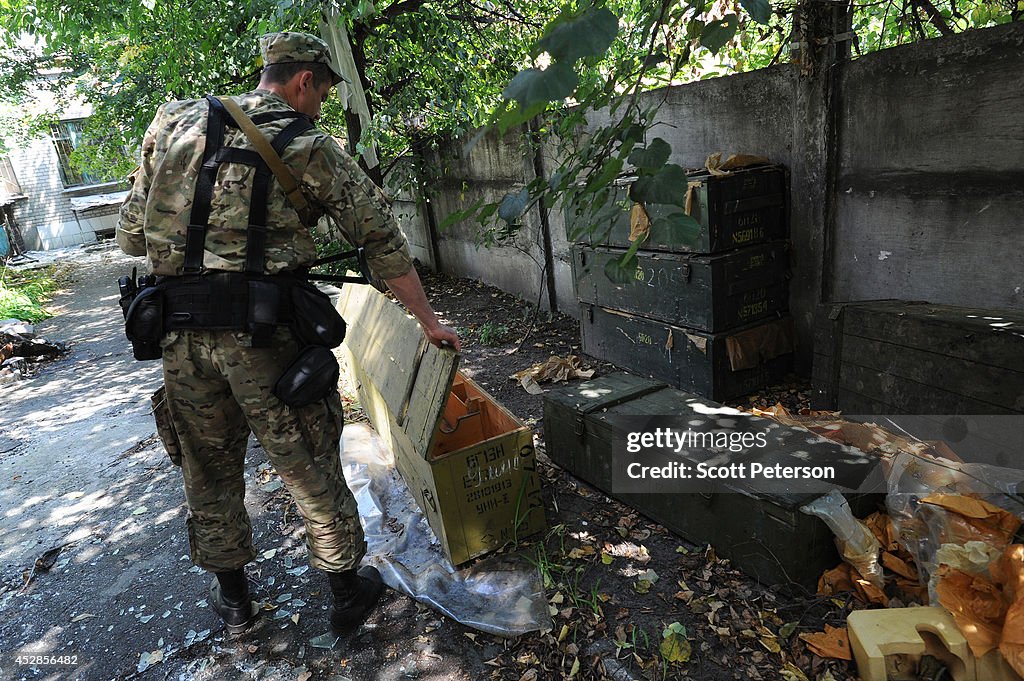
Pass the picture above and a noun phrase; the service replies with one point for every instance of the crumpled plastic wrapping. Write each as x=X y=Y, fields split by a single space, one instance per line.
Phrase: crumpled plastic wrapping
x=918 y=501
x=501 y=594
x=856 y=543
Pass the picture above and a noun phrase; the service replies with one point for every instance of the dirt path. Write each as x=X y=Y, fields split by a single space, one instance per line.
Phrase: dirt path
x=83 y=472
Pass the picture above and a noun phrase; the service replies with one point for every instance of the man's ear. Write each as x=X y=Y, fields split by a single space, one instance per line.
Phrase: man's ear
x=305 y=79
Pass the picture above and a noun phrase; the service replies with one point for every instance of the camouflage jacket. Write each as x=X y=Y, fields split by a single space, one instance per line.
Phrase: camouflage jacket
x=155 y=214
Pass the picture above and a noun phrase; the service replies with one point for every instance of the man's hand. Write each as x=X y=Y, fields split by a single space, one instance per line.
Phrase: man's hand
x=408 y=289
x=443 y=337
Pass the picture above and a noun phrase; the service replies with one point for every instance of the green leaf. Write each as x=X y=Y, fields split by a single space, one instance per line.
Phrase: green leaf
x=622 y=271
x=652 y=60
x=514 y=205
x=694 y=29
x=611 y=170
x=682 y=227
x=759 y=10
x=717 y=33
x=675 y=647
x=589 y=35
x=459 y=216
x=668 y=185
x=632 y=133
x=532 y=86
x=520 y=115
x=653 y=156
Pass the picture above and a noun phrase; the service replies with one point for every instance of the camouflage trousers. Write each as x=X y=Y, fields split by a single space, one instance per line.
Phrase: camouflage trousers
x=218 y=389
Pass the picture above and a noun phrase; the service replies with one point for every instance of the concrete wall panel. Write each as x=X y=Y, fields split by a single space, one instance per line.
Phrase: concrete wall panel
x=930 y=191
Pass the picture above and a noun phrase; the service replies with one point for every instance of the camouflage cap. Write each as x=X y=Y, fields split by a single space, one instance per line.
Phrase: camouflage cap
x=294 y=47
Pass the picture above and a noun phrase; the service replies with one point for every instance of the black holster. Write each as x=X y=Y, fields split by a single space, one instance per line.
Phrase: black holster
x=144 y=323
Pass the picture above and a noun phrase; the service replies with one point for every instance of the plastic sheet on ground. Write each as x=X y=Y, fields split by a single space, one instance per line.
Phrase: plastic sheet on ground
x=501 y=594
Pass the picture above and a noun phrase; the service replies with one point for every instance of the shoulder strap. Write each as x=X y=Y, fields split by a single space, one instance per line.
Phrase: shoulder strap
x=270 y=157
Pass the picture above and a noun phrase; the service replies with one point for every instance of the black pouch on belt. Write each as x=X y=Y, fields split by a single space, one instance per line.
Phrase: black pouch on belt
x=310 y=378
x=315 y=319
x=144 y=323
x=264 y=303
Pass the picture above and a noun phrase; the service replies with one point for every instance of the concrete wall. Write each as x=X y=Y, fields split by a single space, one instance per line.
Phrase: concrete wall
x=494 y=167
x=930 y=191
x=906 y=175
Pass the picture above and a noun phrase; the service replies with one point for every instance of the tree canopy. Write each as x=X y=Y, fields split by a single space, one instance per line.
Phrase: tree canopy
x=438 y=67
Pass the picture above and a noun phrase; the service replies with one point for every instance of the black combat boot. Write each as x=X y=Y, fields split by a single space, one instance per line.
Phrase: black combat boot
x=355 y=594
x=229 y=598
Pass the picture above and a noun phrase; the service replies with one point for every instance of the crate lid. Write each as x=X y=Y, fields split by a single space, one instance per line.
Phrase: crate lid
x=412 y=377
x=602 y=392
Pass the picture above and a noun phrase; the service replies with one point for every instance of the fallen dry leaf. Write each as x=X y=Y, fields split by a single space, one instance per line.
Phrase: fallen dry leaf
x=675 y=647
x=790 y=672
x=581 y=552
x=555 y=369
x=833 y=643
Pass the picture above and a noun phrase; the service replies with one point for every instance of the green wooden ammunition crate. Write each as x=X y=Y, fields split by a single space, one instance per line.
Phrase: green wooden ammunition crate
x=690 y=359
x=706 y=292
x=743 y=208
x=764 y=534
x=467 y=460
x=897 y=357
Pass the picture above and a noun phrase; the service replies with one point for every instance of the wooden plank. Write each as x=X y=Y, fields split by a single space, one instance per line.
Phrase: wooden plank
x=412 y=376
x=429 y=392
x=376 y=335
x=685 y=358
x=707 y=292
x=863 y=390
x=979 y=382
x=991 y=337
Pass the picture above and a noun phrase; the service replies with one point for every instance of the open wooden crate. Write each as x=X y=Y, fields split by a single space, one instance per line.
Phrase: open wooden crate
x=467 y=460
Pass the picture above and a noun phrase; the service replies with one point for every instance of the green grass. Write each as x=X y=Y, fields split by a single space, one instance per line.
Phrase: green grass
x=492 y=333
x=23 y=295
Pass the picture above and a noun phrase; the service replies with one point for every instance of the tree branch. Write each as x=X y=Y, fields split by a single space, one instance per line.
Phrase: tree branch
x=396 y=10
x=938 y=21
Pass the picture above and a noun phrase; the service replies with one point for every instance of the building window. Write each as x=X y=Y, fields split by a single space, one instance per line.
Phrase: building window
x=8 y=180
x=68 y=136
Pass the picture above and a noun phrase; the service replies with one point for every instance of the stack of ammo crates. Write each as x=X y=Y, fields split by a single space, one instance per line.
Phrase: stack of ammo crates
x=705 y=314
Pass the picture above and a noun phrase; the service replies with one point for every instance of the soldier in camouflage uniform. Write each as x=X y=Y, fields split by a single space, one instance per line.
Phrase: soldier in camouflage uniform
x=218 y=386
